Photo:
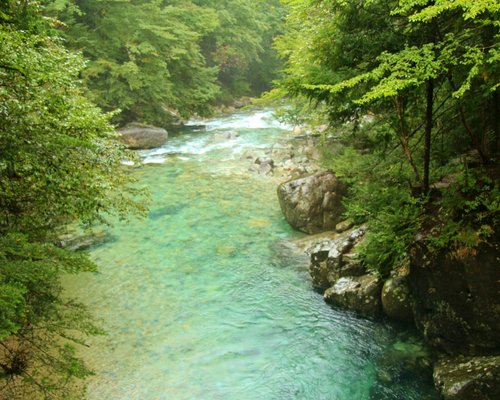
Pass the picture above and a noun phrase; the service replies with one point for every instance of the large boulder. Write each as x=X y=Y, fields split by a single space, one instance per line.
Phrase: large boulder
x=357 y=293
x=333 y=258
x=138 y=136
x=396 y=299
x=468 y=378
x=456 y=297
x=312 y=203
x=336 y=267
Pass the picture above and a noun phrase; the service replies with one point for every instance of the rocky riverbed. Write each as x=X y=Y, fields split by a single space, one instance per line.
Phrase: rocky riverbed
x=231 y=165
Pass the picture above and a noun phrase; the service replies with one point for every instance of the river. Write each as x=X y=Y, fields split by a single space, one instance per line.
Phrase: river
x=200 y=301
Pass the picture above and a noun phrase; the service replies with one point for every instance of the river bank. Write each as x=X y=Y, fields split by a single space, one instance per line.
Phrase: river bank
x=450 y=295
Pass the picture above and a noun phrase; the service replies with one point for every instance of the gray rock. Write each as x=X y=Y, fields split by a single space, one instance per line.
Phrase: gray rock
x=396 y=299
x=312 y=203
x=331 y=258
x=318 y=269
x=360 y=293
x=321 y=128
x=289 y=164
x=223 y=136
x=265 y=160
x=468 y=378
x=456 y=297
x=309 y=243
x=344 y=226
x=77 y=240
x=351 y=265
x=265 y=169
x=139 y=136
x=242 y=102
x=261 y=169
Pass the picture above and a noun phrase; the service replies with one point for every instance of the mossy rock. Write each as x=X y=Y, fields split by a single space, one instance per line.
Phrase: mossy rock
x=397 y=300
x=468 y=378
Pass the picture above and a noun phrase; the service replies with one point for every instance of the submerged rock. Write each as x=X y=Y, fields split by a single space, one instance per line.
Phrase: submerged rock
x=76 y=240
x=468 y=378
x=312 y=203
x=360 y=293
x=405 y=360
x=139 y=136
x=222 y=136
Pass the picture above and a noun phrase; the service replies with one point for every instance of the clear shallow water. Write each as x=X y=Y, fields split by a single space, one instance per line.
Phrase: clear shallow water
x=201 y=300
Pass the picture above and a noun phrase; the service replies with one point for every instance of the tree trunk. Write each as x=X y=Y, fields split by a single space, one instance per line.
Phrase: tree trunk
x=404 y=137
x=461 y=110
x=428 y=132
x=494 y=114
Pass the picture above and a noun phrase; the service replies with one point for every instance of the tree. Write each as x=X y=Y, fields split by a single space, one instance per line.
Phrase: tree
x=240 y=45
x=418 y=82
x=39 y=326
x=161 y=61
x=59 y=164
x=145 y=57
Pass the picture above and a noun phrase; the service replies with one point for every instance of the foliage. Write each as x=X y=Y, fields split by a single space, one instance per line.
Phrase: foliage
x=417 y=82
x=378 y=195
x=240 y=45
x=38 y=324
x=161 y=61
x=297 y=111
x=59 y=163
x=144 y=56
x=59 y=159
x=469 y=212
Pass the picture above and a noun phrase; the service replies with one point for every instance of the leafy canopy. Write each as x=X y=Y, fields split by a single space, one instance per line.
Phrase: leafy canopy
x=416 y=82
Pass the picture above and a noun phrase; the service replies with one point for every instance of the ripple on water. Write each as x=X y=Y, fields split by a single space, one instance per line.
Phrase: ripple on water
x=201 y=302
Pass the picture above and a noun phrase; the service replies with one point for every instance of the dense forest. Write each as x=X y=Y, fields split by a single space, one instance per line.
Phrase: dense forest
x=409 y=89
x=161 y=61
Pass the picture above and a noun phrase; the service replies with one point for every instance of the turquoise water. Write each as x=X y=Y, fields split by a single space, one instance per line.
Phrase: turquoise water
x=201 y=300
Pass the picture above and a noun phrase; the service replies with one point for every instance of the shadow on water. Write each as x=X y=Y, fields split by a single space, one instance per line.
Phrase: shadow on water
x=167 y=210
x=405 y=363
x=179 y=130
